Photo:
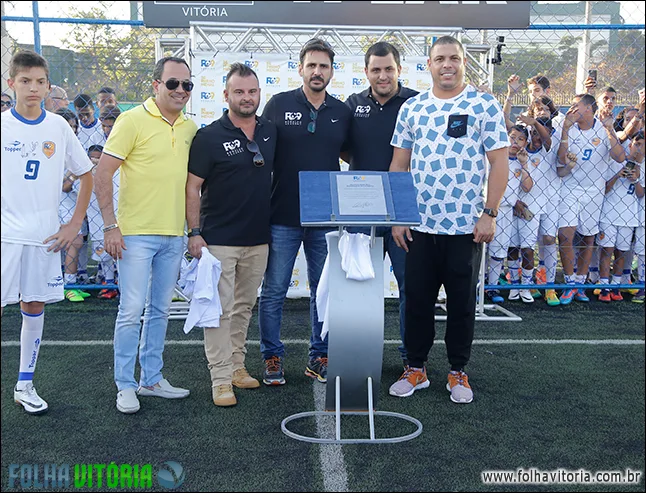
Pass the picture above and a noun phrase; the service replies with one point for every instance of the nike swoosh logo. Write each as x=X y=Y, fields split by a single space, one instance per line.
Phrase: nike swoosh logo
x=333 y=120
x=456 y=124
x=266 y=139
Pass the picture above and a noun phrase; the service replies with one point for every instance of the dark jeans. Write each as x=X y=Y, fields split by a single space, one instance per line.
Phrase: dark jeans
x=434 y=260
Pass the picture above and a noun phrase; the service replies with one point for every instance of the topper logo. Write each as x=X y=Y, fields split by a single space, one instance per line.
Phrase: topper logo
x=338 y=65
x=362 y=109
x=207 y=63
x=207 y=96
x=251 y=63
x=292 y=65
x=231 y=146
x=291 y=116
x=358 y=82
x=272 y=81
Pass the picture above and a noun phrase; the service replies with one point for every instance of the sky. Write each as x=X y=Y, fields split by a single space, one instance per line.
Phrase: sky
x=53 y=33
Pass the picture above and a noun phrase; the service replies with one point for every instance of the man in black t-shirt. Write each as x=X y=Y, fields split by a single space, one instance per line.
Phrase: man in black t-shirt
x=312 y=132
x=231 y=162
x=374 y=114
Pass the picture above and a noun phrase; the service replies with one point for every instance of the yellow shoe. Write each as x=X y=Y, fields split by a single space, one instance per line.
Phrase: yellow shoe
x=551 y=298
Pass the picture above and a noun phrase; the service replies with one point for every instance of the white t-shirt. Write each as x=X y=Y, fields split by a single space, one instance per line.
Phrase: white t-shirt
x=620 y=203
x=92 y=135
x=546 y=182
x=35 y=154
x=450 y=172
x=592 y=149
x=513 y=189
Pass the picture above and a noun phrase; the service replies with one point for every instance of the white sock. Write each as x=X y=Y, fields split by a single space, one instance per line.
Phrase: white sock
x=580 y=279
x=641 y=267
x=527 y=276
x=616 y=279
x=541 y=253
x=495 y=266
x=604 y=281
x=514 y=265
x=626 y=276
x=570 y=279
x=70 y=278
x=31 y=334
x=551 y=260
x=107 y=267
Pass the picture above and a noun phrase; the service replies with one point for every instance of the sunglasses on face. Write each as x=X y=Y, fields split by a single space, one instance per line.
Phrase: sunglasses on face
x=311 y=126
x=258 y=160
x=172 y=84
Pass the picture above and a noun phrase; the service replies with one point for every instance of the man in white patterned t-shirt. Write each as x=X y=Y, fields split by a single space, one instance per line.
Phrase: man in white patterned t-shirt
x=444 y=137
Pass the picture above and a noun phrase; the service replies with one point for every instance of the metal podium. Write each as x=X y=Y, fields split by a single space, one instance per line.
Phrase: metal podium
x=356 y=308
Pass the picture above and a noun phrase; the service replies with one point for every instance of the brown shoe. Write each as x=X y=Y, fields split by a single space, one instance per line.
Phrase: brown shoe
x=223 y=395
x=243 y=380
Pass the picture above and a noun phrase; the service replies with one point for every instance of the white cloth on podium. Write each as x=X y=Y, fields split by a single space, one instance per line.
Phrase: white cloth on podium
x=355 y=262
x=205 y=309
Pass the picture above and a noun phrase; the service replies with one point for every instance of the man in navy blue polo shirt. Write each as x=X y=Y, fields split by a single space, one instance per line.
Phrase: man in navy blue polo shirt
x=374 y=115
x=231 y=162
x=312 y=132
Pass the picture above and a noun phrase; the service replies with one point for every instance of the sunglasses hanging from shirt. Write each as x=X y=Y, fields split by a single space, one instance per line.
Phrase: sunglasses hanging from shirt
x=258 y=159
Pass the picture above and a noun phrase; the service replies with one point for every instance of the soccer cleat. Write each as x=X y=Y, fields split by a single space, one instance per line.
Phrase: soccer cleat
x=604 y=296
x=74 y=295
x=108 y=294
x=127 y=401
x=317 y=368
x=493 y=295
x=615 y=295
x=631 y=291
x=596 y=292
x=458 y=385
x=29 y=399
x=223 y=395
x=581 y=296
x=164 y=389
x=526 y=296
x=551 y=298
x=514 y=295
x=639 y=297
x=243 y=380
x=411 y=380
x=273 y=374
x=567 y=296
x=536 y=294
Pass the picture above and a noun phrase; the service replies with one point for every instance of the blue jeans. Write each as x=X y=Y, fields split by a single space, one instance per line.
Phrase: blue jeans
x=283 y=248
x=148 y=273
x=398 y=261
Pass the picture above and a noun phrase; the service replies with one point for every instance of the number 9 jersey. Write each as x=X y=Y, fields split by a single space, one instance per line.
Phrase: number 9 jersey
x=35 y=155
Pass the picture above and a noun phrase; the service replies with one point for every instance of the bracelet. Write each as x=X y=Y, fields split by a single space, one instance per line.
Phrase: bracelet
x=110 y=227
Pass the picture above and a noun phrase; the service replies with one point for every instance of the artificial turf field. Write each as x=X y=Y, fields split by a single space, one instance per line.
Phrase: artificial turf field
x=538 y=404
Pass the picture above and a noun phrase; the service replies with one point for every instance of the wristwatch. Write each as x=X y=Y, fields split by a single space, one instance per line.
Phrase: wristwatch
x=194 y=232
x=488 y=211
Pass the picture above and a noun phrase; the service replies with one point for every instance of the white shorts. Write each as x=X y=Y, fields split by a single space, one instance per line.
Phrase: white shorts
x=640 y=241
x=580 y=210
x=30 y=273
x=504 y=233
x=526 y=233
x=619 y=237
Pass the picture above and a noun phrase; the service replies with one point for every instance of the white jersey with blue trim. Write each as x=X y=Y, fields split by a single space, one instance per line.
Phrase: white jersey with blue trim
x=92 y=135
x=35 y=154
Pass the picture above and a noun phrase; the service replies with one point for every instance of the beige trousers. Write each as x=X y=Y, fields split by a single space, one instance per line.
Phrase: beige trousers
x=242 y=272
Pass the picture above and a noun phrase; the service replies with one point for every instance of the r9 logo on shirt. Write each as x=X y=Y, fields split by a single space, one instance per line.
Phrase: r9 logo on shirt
x=231 y=146
x=291 y=116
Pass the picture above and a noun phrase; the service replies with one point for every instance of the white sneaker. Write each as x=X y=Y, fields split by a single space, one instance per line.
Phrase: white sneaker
x=29 y=399
x=163 y=389
x=526 y=296
x=127 y=401
x=514 y=295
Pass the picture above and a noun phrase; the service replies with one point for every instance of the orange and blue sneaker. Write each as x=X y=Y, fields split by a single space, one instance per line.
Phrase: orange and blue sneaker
x=458 y=385
x=551 y=298
x=604 y=296
x=581 y=296
x=317 y=368
x=411 y=380
x=567 y=296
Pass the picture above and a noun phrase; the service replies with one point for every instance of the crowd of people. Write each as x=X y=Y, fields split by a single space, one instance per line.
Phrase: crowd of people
x=545 y=179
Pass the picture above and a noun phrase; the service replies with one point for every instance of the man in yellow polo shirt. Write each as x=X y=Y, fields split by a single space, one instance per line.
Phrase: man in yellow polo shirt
x=151 y=144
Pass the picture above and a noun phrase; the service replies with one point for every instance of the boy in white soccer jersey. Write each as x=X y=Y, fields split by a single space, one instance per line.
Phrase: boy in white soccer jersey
x=519 y=179
x=37 y=147
x=620 y=216
x=639 y=246
x=594 y=142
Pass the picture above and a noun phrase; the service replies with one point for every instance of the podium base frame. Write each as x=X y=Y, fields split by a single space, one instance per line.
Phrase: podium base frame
x=338 y=413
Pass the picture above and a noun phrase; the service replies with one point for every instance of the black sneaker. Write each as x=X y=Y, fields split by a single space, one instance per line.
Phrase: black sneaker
x=273 y=374
x=317 y=368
